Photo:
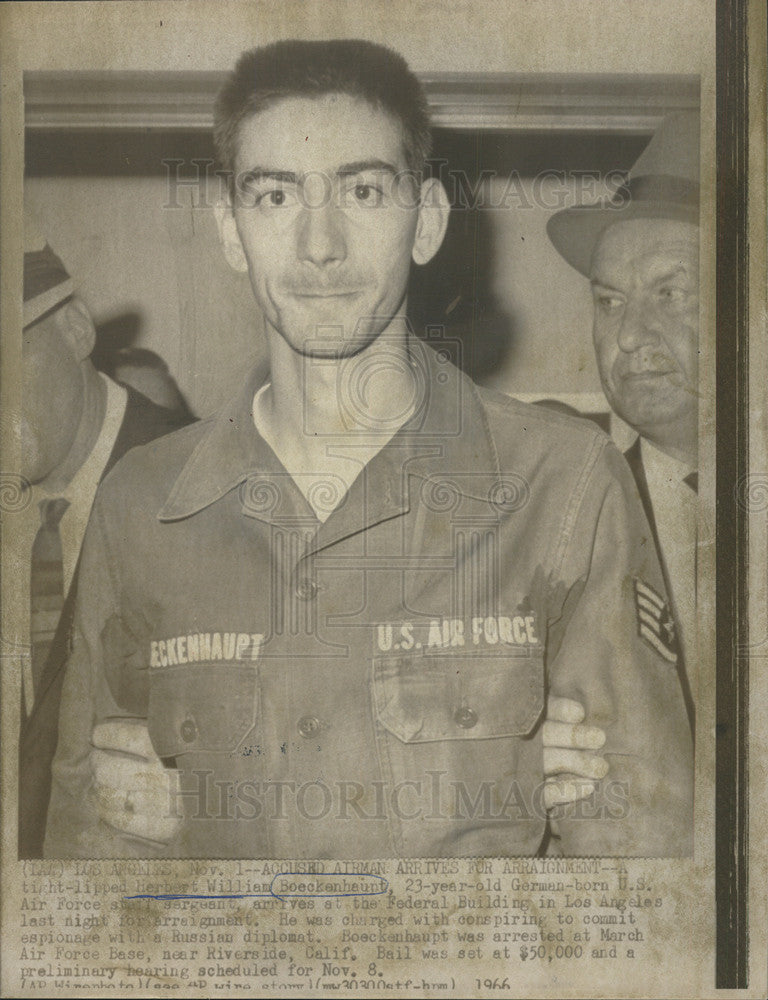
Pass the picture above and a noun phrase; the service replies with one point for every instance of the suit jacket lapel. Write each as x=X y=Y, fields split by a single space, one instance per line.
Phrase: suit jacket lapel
x=634 y=459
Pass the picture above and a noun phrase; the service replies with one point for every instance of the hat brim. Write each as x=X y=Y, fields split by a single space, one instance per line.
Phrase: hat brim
x=574 y=232
x=46 y=301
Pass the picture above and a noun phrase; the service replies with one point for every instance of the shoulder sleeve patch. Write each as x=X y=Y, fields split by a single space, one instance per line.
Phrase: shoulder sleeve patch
x=654 y=621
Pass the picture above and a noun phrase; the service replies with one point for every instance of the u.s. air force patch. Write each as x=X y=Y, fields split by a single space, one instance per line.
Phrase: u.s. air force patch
x=654 y=621
x=439 y=634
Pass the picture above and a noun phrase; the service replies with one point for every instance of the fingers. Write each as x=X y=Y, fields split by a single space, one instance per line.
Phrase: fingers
x=566 y=790
x=574 y=737
x=583 y=765
x=124 y=736
x=125 y=773
x=566 y=742
x=564 y=710
x=138 y=799
x=136 y=820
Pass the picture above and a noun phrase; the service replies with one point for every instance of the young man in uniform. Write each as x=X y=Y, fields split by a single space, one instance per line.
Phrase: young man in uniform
x=340 y=604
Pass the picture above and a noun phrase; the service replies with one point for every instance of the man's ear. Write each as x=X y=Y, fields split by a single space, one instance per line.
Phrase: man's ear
x=229 y=236
x=434 y=209
x=77 y=328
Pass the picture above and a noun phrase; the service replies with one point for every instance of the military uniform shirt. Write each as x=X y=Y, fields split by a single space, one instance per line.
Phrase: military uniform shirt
x=375 y=685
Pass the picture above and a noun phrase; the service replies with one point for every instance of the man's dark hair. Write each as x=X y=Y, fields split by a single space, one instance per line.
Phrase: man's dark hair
x=359 y=68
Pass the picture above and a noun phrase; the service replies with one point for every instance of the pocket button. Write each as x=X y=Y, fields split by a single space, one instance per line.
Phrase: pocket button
x=308 y=726
x=465 y=718
x=188 y=731
x=306 y=590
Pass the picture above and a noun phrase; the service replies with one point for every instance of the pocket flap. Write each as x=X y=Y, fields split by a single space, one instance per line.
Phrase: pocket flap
x=424 y=698
x=201 y=706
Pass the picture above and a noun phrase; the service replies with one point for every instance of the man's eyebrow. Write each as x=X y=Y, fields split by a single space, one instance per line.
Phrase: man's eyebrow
x=656 y=279
x=670 y=274
x=361 y=166
x=256 y=174
x=269 y=174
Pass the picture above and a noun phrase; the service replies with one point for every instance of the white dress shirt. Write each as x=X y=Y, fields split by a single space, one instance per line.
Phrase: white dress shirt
x=674 y=509
x=80 y=493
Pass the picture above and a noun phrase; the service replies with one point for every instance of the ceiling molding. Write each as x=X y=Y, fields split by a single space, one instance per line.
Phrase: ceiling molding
x=504 y=102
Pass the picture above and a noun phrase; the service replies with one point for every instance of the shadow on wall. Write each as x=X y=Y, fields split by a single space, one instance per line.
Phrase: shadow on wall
x=496 y=284
x=117 y=356
x=454 y=291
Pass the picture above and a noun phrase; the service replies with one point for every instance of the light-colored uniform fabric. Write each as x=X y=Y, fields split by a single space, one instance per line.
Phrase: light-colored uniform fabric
x=375 y=685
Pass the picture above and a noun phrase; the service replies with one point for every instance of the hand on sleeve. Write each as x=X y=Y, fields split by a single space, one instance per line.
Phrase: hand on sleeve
x=571 y=770
x=135 y=794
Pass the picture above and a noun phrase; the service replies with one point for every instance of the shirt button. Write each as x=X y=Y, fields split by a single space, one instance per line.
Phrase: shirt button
x=306 y=590
x=188 y=731
x=308 y=726
x=465 y=718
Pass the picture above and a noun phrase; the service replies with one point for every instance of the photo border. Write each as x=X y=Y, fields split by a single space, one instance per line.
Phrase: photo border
x=732 y=527
x=732 y=812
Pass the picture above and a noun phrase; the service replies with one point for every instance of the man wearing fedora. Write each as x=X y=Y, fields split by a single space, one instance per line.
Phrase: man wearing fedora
x=640 y=252
x=76 y=423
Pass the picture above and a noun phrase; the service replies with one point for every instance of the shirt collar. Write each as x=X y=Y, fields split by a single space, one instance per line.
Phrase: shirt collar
x=449 y=432
x=229 y=451
x=661 y=469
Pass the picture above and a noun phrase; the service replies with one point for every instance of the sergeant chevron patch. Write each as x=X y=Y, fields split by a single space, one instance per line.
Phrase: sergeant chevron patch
x=654 y=621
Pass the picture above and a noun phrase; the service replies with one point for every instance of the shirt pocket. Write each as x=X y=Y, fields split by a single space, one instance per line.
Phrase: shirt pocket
x=423 y=699
x=201 y=707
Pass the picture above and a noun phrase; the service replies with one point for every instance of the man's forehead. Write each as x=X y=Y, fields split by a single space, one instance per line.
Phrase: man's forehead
x=301 y=134
x=645 y=245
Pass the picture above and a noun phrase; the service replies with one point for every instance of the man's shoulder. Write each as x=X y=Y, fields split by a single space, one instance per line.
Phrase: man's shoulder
x=555 y=448
x=151 y=468
x=145 y=412
x=145 y=421
x=538 y=426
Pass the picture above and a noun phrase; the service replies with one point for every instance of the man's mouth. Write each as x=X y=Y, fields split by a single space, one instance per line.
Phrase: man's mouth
x=650 y=373
x=335 y=293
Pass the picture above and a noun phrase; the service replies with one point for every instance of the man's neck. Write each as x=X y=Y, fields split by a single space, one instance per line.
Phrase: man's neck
x=314 y=405
x=686 y=455
x=679 y=440
x=89 y=428
x=326 y=419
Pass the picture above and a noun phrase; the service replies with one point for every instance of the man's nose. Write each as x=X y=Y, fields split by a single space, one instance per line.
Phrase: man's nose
x=639 y=325
x=321 y=236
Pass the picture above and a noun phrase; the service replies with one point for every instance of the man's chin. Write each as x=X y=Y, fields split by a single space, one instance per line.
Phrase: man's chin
x=648 y=392
x=649 y=415
x=331 y=342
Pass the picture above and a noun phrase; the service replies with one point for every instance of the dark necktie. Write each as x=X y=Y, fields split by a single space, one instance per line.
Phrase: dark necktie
x=692 y=480
x=46 y=584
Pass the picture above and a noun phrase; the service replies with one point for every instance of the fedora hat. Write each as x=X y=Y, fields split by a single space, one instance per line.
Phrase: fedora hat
x=663 y=184
x=47 y=283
